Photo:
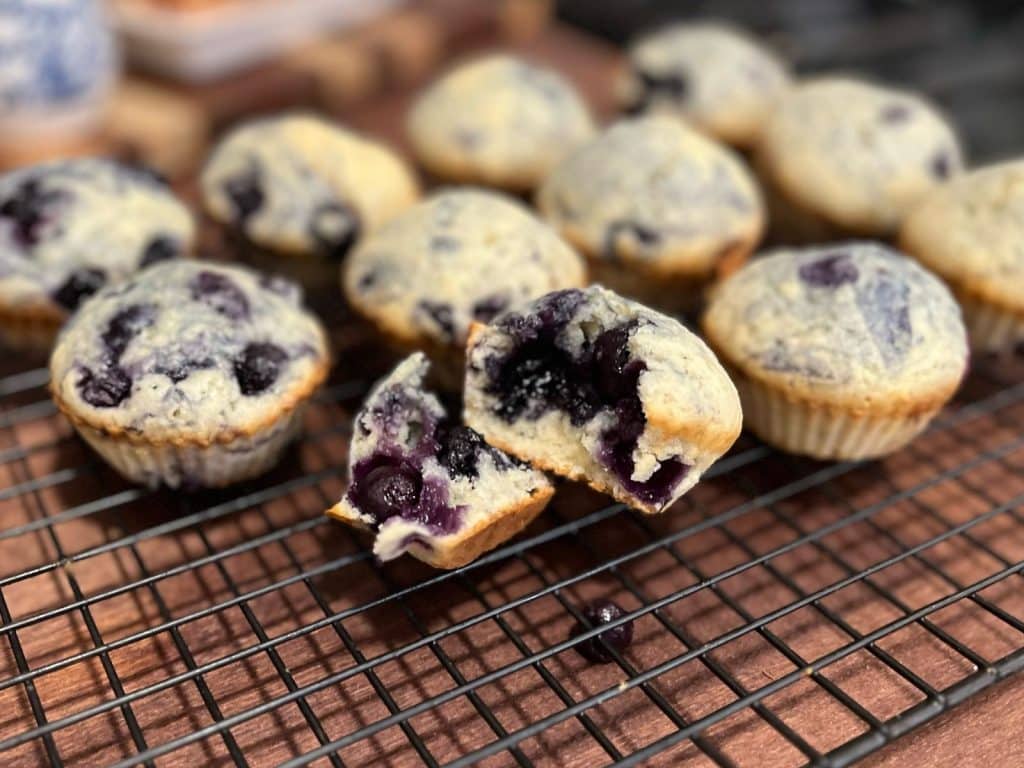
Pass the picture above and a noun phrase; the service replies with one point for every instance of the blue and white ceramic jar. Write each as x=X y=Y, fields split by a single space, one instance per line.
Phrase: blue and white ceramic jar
x=58 y=63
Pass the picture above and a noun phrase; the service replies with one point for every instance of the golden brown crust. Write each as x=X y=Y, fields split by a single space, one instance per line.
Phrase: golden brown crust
x=458 y=550
x=682 y=262
x=287 y=403
x=981 y=291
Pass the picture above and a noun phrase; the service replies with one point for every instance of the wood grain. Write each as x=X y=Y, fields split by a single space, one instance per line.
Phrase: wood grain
x=57 y=502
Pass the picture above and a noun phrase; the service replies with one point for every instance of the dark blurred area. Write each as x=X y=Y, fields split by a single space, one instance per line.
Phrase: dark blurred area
x=967 y=56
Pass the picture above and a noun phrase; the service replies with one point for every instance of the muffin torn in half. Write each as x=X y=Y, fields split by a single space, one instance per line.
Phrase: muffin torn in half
x=428 y=486
x=598 y=388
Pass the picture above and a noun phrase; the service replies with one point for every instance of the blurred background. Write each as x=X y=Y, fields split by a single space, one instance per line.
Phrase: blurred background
x=157 y=80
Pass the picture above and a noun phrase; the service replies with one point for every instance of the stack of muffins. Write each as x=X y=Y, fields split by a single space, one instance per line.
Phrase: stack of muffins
x=554 y=323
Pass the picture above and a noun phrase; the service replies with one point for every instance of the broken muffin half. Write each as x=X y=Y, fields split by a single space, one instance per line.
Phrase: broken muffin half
x=427 y=485
x=594 y=387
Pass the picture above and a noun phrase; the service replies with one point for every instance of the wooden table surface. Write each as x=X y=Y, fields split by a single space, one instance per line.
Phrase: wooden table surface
x=61 y=504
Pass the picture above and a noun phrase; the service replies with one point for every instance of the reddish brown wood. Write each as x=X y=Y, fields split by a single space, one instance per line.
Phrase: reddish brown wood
x=985 y=732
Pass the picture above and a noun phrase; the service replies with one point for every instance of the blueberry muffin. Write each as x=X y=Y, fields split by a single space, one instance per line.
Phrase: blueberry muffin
x=427 y=485
x=841 y=157
x=497 y=121
x=595 y=387
x=191 y=374
x=839 y=352
x=69 y=227
x=296 y=185
x=712 y=76
x=971 y=233
x=658 y=209
x=462 y=255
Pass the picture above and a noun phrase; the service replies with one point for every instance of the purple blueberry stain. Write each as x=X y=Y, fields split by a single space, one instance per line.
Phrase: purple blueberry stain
x=125 y=326
x=941 y=165
x=444 y=244
x=830 y=271
x=489 y=307
x=160 y=248
x=539 y=375
x=386 y=487
x=28 y=210
x=105 y=388
x=597 y=649
x=245 y=192
x=617 y=231
x=80 y=285
x=672 y=86
x=884 y=304
x=221 y=294
x=893 y=114
x=459 y=450
x=335 y=228
x=258 y=367
x=442 y=316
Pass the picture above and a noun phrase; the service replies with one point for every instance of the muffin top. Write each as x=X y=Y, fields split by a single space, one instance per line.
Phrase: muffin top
x=462 y=255
x=188 y=352
x=971 y=232
x=299 y=184
x=848 y=324
x=499 y=121
x=714 y=76
x=69 y=227
x=651 y=191
x=857 y=154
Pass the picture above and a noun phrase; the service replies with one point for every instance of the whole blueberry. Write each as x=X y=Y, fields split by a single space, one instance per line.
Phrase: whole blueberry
x=221 y=294
x=258 y=367
x=80 y=285
x=442 y=316
x=125 y=326
x=106 y=388
x=160 y=248
x=487 y=308
x=613 y=373
x=335 y=229
x=27 y=210
x=389 y=490
x=246 y=195
x=598 y=613
x=830 y=271
x=459 y=451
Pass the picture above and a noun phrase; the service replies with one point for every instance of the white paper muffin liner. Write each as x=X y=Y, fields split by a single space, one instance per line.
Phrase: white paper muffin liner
x=194 y=466
x=824 y=432
x=991 y=328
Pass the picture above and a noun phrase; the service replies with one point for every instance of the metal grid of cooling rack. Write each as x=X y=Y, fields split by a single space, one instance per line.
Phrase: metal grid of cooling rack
x=786 y=612
x=812 y=612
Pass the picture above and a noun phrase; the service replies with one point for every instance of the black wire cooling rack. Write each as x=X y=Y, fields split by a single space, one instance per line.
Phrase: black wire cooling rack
x=786 y=612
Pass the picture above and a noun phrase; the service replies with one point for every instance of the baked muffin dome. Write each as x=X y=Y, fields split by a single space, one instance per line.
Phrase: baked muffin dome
x=462 y=255
x=497 y=121
x=844 y=156
x=191 y=373
x=839 y=351
x=297 y=184
x=656 y=207
x=70 y=227
x=970 y=232
x=716 y=77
